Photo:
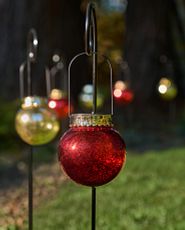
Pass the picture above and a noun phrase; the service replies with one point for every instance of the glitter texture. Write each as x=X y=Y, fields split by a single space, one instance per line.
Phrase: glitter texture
x=77 y=120
x=92 y=156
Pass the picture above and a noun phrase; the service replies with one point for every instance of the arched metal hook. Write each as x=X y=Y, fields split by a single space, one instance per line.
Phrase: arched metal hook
x=90 y=30
x=51 y=76
x=91 y=47
x=69 y=81
x=32 y=45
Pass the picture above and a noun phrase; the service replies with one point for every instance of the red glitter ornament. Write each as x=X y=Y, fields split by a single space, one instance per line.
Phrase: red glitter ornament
x=125 y=96
x=58 y=103
x=59 y=106
x=91 y=155
x=91 y=152
x=122 y=94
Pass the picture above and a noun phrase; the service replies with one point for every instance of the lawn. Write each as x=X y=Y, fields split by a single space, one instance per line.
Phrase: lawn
x=148 y=194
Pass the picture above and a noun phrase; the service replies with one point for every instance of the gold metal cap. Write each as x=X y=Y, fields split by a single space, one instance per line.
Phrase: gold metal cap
x=80 y=119
x=56 y=94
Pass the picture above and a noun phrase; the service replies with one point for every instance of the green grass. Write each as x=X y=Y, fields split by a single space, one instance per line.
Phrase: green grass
x=149 y=194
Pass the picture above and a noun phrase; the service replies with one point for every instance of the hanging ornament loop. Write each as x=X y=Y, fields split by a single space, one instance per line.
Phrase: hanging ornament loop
x=32 y=44
x=69 y=81
x=32 y=48
x=90 y=50
x=51 y=76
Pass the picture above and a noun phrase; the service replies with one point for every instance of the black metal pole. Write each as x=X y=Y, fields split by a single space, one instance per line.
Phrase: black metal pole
x=93 y=219
x=94 y=74
x=91 y=49
x=32 y=44
x=30 y=189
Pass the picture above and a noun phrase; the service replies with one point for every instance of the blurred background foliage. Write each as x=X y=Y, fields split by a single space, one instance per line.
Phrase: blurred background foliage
x=142 y=34
x=9 y=140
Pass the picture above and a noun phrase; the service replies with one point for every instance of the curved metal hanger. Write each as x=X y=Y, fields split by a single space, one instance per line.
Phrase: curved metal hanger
x=90 y=30
x=69 y=80
x=90 y=50
x=51 y=75
x=91 y=47
x=32 y=46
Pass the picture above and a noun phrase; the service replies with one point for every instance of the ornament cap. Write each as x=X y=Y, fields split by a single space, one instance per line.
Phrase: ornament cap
x=82 y=119
x=56 y=94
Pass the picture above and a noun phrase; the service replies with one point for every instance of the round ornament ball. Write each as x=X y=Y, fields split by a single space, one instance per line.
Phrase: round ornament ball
x=59 y=103
x=167 y=89
x=91 y=152
x=35 y=123
x=122 y=94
